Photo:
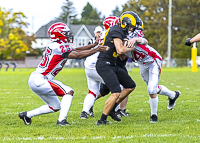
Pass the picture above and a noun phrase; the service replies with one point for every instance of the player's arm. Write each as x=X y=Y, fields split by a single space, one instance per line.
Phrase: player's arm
x=138 y=40
x=120 y=48
x=85 y=53
x=88 y=47
x=190 y=41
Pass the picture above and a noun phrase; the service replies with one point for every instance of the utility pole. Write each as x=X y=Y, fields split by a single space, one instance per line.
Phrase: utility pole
x=32 y=24
x=169 y=32
x=68 y=19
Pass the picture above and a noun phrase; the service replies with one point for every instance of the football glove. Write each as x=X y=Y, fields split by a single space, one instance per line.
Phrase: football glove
x=187 y=42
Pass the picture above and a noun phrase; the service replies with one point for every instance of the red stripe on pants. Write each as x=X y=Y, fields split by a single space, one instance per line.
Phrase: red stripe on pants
x=59 y=91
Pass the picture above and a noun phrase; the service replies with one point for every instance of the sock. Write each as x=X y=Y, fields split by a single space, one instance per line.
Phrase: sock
x=167 y=92
x=114 y=107
x=117 y=108
x=65 y=105
x=88 y=102
x=153 y=105
x=39 y=111
x=103 y=117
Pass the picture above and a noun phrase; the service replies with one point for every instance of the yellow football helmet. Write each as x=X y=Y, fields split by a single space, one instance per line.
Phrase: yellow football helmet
x=129 y=19
x=141 y=26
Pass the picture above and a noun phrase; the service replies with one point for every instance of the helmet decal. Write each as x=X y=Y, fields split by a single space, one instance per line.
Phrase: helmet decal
x=131 y=17
x=60 y=32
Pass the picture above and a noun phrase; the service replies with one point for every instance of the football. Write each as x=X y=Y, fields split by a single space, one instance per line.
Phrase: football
x=125 y=42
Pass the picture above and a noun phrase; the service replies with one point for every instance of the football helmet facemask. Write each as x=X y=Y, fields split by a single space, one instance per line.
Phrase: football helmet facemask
x=129 y=19
x=60 y=32
x=141 y=26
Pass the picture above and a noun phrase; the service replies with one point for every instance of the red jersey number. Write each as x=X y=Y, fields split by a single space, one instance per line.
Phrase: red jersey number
x=45 y=59
x=138 y=55
x=65 y=48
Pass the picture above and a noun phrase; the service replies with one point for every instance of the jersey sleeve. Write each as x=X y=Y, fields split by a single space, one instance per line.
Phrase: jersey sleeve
x=117 y=32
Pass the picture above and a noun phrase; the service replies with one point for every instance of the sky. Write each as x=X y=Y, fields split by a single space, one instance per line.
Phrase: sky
x=41 y=12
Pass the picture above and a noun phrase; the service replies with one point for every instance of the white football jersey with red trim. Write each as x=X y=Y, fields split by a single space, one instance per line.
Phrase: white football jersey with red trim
x=90 y=61
x=52 y=61
x=142 y=53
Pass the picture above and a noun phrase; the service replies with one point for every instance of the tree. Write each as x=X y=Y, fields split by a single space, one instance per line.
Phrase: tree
x=185 y=22
x=116 y=12
x=90 y=16
x=68 y=13
x=14 y=42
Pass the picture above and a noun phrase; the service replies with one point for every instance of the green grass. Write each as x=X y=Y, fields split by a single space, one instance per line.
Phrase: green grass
x=179 y=125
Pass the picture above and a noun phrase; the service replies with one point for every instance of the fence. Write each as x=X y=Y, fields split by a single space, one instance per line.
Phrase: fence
x=32 y=62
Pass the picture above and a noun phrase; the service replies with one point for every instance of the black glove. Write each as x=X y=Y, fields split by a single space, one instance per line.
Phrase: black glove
x=187 y=42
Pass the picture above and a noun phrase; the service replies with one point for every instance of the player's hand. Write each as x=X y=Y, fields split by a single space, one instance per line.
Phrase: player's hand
x=97 y=40
x=131 y=42
x=122 y=57
x=138 y=40
x=102 y=48
x=187 y=42
x=144 y=41
x=141 y=41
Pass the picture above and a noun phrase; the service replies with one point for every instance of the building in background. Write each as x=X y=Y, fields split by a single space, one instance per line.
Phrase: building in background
x=82 y=35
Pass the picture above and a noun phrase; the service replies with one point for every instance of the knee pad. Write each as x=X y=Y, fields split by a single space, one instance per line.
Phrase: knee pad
x=151 y=90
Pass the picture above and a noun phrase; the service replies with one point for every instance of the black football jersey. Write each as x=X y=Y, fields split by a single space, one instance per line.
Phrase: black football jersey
x=113 y=32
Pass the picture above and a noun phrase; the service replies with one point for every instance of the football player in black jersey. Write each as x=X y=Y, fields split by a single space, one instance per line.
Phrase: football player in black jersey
x=106 y=67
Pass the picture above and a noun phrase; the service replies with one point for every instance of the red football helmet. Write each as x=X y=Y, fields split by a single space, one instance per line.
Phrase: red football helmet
x=115 y=22
x=60 y=32
x=53 y=25
x=110 y=21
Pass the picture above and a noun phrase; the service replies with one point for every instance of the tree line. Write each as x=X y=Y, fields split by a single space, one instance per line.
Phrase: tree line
x=15 y=42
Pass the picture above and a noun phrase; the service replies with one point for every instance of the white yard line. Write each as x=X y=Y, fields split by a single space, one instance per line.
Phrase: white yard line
x=100 y=137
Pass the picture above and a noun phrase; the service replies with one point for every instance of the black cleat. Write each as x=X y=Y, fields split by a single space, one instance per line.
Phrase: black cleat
x=154 y=119
x=91 y=112
x=100 y=122
x=23 y=116
x=114 y=116
x=121 y=113
x=172 y=102
x=63 y=123
x=83 y=115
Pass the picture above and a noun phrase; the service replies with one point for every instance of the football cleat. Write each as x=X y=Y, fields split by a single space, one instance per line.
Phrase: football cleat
x=114 y=116
x=91 y=112
x=23 y=116
x=83 y=115
x=154 y=119
x=172 y=102
x=121 y=113
x=100 y=122
x=63 y=123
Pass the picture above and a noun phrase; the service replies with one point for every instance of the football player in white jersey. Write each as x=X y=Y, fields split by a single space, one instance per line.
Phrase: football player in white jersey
x=42 y=82
x=150 y=61
x=93 y=78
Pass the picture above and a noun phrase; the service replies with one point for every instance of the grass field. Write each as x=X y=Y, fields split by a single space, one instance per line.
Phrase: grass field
x=179 y=125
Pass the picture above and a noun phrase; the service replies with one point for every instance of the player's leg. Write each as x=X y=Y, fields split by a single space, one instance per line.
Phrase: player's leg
x=121 y=108
x=127 y=83
x=107 y=73
x=172 y=95
x=152 y=85
x=93 y=82
x=41 y=87
x=67 y=95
